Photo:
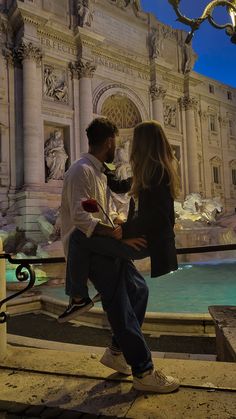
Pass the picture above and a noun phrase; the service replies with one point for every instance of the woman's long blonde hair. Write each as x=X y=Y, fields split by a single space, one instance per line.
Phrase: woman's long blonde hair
x=150 y=149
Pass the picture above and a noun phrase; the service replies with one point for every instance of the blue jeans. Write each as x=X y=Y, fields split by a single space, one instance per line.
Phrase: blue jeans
x=79 y=259
x=124 y=295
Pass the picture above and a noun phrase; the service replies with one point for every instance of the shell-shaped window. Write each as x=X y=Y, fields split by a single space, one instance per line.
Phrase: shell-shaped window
x=121 y=111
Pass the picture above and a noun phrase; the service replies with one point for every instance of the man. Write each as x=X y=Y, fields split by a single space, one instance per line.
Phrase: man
x=123 y=290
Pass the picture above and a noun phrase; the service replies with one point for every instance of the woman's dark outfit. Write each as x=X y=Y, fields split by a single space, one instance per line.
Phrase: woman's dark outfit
x=155 y=220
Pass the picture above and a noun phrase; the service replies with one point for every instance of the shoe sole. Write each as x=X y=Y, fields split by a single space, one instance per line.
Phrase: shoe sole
x=76 y=313
x=106 y=364
x=150 y=389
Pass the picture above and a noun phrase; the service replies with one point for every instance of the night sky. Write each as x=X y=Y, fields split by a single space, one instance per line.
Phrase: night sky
x=216 y=53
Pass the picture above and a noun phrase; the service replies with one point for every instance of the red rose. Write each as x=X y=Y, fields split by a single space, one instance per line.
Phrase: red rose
x=90 y=205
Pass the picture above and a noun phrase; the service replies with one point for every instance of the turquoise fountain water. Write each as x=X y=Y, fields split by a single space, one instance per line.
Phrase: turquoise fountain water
x=193 y=288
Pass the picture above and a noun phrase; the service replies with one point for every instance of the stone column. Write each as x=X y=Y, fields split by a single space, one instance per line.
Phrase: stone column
x=3 y=330
x=30 y=55
x=86 y=71
x=188 y=104
x=75 y=147
x=157 y=93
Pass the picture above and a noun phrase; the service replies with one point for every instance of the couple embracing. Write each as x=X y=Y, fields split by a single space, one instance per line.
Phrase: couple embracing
x=104 y=252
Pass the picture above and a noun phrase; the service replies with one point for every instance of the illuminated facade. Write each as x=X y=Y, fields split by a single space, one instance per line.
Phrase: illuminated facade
x=64 y=62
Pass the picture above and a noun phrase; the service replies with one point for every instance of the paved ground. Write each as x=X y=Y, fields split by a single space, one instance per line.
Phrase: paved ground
x=77 y=383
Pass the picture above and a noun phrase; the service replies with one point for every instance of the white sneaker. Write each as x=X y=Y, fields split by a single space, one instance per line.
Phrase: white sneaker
x=115 y=362
x=156 y=382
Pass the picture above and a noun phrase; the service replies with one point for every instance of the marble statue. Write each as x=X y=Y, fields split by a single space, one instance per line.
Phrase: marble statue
x=155 y=43
x=196 y=208
x=187 y=58
x=121 y=161
x=55 y=156
x=85 y=13
x=123 y=171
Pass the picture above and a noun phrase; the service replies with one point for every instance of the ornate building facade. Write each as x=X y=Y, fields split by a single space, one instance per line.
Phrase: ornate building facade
x=63 y=62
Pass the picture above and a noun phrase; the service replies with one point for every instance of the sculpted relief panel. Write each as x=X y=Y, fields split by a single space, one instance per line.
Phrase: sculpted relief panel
x=170 y=115
x=55 y=84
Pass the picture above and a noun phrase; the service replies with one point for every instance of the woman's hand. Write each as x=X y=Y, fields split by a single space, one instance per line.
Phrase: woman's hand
x=116 y=233
x=137 y=242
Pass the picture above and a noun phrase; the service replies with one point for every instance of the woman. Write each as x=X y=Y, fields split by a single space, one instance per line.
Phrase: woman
x=155 y=186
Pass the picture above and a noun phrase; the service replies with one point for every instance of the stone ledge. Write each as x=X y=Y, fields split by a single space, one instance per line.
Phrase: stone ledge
x=224 y=318
x=194 y=324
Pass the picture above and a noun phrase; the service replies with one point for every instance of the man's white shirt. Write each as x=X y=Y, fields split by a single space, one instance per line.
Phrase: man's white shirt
x=85 y=179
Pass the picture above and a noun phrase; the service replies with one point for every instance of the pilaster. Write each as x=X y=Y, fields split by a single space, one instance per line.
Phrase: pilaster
x=30 y=55
x=85 y=71
x=188 y=105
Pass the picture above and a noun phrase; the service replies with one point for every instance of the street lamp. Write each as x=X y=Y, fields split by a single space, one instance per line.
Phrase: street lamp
x=207 y=15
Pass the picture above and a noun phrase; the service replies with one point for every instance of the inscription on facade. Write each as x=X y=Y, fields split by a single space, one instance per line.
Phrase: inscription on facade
x=58 y=46
x=105 y=62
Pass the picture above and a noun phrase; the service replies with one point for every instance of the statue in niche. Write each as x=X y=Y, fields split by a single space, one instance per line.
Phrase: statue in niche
x=55 y=156
x=187 y=58
x=155 y=43
x=84 y=12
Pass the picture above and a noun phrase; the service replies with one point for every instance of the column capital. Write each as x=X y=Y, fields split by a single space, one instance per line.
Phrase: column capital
x=157 y=92
x=9 y=55
x=73 y=67
x=187 y=102
x=27 y=50
x=85 y=68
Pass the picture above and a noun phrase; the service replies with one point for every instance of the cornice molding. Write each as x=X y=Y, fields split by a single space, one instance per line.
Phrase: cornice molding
x=57 y=35
x=24 y=13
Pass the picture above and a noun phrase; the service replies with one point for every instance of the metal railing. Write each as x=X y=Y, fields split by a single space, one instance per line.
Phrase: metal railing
x=25 y=271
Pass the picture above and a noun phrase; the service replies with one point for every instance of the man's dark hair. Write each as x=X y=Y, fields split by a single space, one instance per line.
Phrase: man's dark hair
x=99 y=130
